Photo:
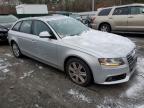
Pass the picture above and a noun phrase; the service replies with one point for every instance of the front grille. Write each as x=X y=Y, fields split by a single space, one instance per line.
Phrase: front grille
x=132 y=59
x=116 y=78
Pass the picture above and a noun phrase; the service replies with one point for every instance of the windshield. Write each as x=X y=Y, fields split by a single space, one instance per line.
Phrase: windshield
x=7 y=19
x=68 y=27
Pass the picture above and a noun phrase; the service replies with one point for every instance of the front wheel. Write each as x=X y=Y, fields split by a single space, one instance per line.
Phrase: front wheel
x=79 y=72
x=16 y=51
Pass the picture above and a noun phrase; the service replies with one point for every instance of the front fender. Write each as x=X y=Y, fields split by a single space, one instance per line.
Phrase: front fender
x=91 y=61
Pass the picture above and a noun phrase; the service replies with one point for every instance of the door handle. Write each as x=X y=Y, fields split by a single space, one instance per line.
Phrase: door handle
x=110 y=18
x=130 y=17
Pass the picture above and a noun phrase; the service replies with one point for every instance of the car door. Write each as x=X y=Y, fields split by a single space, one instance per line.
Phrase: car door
x=46 y=47
x=25 y=38
x=120 y=18
x=136 y=18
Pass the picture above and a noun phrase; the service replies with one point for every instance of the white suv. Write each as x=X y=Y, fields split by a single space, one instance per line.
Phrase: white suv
x=126 y=18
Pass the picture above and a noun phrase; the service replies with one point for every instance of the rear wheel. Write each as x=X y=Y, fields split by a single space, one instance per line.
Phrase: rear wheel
x=16 y=51
x=105 y=27
x=79 y=72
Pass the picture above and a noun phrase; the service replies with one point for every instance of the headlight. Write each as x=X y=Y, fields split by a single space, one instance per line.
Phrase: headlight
x=111 y=61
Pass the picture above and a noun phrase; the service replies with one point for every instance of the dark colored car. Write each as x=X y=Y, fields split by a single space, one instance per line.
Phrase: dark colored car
x=6 y=21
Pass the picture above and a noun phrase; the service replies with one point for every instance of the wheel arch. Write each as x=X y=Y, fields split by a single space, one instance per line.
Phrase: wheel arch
x=73 y=56
x=12 y=41
x=78 y=57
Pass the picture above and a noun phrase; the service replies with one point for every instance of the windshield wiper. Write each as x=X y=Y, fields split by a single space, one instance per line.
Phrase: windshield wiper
x=75 y=34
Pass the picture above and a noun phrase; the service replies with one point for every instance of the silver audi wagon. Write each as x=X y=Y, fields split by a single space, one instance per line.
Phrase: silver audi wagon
x=85 y=54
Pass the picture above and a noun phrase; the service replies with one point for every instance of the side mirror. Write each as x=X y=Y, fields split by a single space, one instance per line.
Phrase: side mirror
x=44 y=34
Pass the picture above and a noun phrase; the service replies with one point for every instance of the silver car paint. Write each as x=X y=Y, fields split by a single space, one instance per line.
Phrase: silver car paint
x=89 y=47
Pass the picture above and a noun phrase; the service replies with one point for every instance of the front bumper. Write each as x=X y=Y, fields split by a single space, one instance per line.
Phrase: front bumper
x=3 y=35
x=119 y=74
x=126 y=76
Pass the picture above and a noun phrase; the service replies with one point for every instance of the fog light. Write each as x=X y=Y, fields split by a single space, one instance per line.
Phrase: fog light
x=116 y=78
x=109 y=79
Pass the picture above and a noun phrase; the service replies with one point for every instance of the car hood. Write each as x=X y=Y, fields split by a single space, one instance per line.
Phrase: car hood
x=100 y=44
x=7 y=25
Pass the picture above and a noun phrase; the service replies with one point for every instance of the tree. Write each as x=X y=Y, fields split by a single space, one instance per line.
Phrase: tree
x=79 y=5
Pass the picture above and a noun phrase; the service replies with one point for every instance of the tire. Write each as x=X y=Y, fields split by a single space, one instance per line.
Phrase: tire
x=105 y=27
x=79 y=72
x=16 y=51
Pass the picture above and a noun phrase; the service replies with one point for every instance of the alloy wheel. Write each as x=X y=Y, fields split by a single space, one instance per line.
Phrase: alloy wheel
x=77 y=73
x=104 y=28
x=16 y=50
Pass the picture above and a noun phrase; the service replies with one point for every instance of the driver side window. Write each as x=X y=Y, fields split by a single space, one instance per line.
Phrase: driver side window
x=39 y=26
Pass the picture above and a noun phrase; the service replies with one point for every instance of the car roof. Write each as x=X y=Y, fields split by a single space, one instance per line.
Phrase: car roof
x=46 y=18
x=135 y=4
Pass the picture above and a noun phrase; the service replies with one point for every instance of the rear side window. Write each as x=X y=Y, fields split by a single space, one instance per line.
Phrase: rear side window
x=17 y=26
x=136 y=10
x=104 y=12
x=121 y=11
x=26 y=27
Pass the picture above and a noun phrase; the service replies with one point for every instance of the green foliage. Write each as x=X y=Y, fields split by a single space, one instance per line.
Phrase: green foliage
x=79 y=5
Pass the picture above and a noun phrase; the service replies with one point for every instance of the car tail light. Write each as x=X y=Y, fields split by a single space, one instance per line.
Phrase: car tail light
x=93 y=19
